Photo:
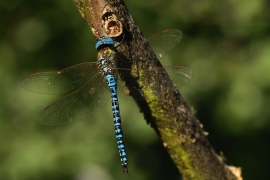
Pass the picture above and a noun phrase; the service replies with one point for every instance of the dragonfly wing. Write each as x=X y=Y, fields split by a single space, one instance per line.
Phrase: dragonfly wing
x=77 y=105
x=179 y=75
x=59 y=82
x=163 y=42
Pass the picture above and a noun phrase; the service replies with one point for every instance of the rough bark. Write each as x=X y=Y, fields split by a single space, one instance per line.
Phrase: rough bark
x=164 y=107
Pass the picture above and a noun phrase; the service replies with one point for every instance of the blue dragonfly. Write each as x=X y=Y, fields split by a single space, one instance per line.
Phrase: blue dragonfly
x=85 y=88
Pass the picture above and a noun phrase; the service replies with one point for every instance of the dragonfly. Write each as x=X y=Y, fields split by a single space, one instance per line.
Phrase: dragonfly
x=86 y=90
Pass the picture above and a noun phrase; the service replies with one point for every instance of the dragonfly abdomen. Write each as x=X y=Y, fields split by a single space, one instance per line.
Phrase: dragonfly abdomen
x=112 y=83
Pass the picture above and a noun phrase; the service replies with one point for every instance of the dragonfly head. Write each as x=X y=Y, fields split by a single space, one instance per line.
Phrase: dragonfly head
x=104 y=42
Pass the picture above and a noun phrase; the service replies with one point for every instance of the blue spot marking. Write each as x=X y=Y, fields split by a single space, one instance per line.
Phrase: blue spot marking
x=119 y=136
x=118 y=131
x=121 y=146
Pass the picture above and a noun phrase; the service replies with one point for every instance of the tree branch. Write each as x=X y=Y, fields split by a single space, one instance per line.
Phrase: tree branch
x=164 y=107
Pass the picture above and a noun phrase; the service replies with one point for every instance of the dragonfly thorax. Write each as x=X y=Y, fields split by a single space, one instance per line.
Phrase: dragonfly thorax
x=105 y=61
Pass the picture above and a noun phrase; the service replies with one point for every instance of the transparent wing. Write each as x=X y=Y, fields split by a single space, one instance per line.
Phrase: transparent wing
x=179 y=75
x=163 y=42
x=59 y=82
x=78 y=105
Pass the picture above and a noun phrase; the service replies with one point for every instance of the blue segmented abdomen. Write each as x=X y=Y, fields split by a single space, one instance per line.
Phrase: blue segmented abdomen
x=112 y=83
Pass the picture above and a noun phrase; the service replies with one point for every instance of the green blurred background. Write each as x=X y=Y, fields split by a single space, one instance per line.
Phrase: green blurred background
x=226 y=44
